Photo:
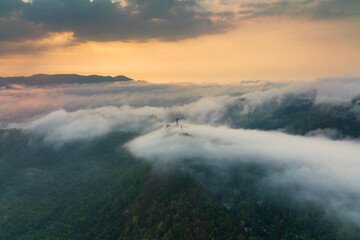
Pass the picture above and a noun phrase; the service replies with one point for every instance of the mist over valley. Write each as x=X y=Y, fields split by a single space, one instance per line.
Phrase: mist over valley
x=106 y=159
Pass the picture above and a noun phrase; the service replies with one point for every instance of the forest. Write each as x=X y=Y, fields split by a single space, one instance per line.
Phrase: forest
x=97 y=190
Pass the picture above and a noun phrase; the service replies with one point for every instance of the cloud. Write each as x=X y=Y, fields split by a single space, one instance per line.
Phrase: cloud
x=334 y=91
x=323 y=170
x=313 y=9
x=61 y=126
x=23 y=103
x=299 y=108
x=35 y=46
x=106 y=20
x=326 y=132
x=6 y=7
x=320 y=166
x=326 y=103
x=140 y=20
x=207 y=110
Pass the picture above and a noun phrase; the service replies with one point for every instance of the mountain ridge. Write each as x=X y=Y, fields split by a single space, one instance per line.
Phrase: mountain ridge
x=57 y=79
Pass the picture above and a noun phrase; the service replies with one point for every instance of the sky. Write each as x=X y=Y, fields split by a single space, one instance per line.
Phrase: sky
x=201 y=41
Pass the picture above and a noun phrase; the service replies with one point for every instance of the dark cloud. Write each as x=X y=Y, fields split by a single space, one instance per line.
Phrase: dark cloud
x=142 y=20
x=106 y=20
x=7 y=6
x=14 y=29
x=314 y=9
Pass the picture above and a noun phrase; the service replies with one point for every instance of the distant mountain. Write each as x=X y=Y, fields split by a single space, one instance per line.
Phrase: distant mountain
x=45 y=79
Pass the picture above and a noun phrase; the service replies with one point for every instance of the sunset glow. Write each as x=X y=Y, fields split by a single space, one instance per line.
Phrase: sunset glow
x=265 y=47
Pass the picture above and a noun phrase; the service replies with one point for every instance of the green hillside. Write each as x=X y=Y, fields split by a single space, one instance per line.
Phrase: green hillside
x=97 y=190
